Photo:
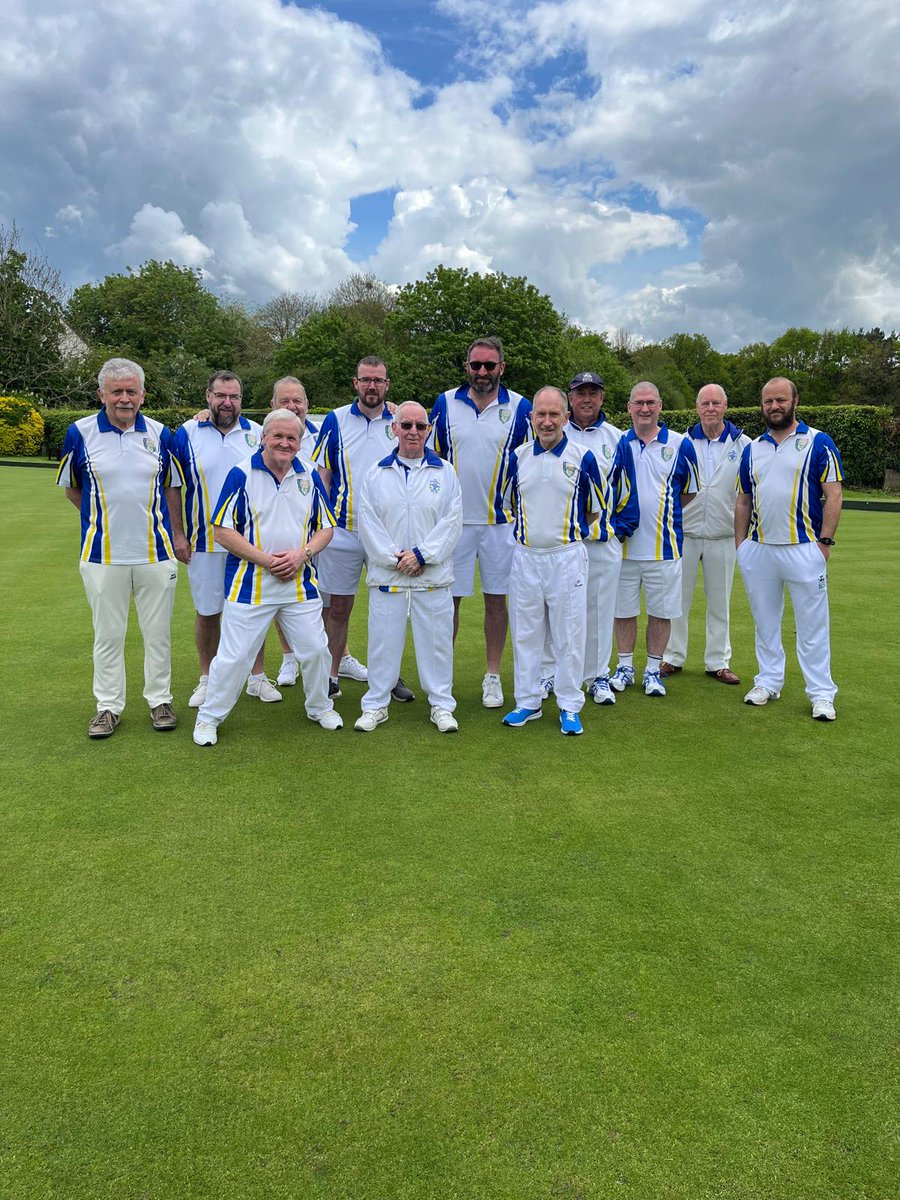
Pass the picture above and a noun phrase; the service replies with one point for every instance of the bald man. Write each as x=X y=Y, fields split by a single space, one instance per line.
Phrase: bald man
x=708 y=527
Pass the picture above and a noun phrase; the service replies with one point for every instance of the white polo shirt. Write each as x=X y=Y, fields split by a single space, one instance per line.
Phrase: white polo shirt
x=122 y=474
x=711 y=515
x=273 y=516
x=621 y=513
x=206 y=455
x=349 y=445
x=479 y=445
x=785 y=484
x=664 y=468
x=553 y=491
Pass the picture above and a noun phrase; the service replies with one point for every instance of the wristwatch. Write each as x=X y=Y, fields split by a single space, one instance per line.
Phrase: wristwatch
x=826 y=541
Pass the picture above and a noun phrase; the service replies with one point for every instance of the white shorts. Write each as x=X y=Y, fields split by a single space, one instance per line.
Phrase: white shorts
x=493 y=546
x=340 y=564
x=661 y=581
x=206 y=573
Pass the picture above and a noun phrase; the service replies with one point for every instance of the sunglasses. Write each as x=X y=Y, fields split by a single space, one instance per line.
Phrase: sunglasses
x=421 y=426
x=487 y=366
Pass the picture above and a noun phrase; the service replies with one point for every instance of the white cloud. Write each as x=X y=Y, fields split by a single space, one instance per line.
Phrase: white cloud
x=731 y=171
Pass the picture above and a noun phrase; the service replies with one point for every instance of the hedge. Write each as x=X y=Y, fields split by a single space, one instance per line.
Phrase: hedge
x=21 y=427
x=862 y=433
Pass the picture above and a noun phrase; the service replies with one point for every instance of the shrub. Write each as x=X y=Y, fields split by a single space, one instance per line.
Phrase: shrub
x=21 y=427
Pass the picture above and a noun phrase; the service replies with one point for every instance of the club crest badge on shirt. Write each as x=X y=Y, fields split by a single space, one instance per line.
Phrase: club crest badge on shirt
x=569 y=470
x=505 y=415
x=800 y=444
x=304 y=485
x=666 y=453
x=434 y=487
x=150 y=445
x=251 y=439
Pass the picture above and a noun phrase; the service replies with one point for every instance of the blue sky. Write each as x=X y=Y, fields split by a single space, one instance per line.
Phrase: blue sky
x=654 y=168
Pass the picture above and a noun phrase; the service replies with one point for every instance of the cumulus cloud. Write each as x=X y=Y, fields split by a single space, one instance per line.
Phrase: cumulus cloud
x=652 y=166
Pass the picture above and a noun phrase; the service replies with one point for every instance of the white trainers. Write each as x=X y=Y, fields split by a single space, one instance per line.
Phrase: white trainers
x=263 y=689
x=600 y=691
x=653 y=685
x=621 y=678
x=445 y=720
x=352 y=668
x=205 y=733
x=290 y=669
x=491 y=692
x=198 y=695
x=760 y=696
x=823 y=710
x=371 y=719
x=547 y=684
x=329 y=720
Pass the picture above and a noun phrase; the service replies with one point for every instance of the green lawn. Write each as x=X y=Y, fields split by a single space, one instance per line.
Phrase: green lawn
x=658 y=961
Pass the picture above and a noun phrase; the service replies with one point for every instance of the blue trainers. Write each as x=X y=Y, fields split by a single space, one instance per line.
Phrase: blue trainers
x=521 y=716
x=570 y=723
x=600 y=691
x=621 y=678
x=653 y=685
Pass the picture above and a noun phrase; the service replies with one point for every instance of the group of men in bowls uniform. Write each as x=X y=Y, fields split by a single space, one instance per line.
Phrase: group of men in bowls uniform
x=567 y=518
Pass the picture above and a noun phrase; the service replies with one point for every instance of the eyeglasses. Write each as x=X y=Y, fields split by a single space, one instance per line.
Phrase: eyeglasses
x=487 y=366
x=421 y=426
x=220 y=396
x=371 y=379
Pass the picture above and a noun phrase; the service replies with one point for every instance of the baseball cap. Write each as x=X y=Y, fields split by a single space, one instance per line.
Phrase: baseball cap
x=585 y=377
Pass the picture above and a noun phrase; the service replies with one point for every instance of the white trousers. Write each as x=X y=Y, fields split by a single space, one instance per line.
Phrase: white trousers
x=549 y=586
x=604 y=568
x=109 y=590
x=431 y=612
x=244 y=627
x=717 y=555
x=767 y=570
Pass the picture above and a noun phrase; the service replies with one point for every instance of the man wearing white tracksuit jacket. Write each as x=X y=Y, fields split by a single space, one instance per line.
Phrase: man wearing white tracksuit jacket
x=410 y=509
x=708 y=527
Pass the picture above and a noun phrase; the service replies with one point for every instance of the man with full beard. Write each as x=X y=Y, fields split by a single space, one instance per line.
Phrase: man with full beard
x=787 y=513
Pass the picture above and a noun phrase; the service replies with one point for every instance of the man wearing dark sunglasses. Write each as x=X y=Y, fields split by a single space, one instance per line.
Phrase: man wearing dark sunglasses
x=410 y=510
x=476 y=428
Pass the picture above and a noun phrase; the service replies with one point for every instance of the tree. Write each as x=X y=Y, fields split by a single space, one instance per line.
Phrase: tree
x=656 y=365
x=32 y=298
x=698 y=362
x=281 y=317
x=157 y=310
x=434 y=320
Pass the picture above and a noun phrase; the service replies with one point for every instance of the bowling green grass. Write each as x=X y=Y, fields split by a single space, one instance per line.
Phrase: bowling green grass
x=657 y=961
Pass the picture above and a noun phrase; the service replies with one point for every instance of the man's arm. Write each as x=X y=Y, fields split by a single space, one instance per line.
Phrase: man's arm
x=235 y=543
x=74 y=494
x=831 y=513
x=742 y=509
x=179 y=540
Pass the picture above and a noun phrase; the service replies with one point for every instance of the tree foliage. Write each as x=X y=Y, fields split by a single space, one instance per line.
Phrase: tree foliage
x=32 y=329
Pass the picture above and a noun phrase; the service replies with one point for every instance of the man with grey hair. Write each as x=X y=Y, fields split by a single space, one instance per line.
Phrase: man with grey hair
x=119 y=471
x=708 y=527
x=288 y=392
x=272 y=517
x=410 y=511
x=665 y=467
x=207 y=447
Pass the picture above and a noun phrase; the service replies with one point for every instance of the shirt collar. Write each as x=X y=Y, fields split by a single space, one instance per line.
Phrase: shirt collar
x=462 y=393
x=357 y=412
x=662 y=437
x=105 y=425
x=557 y=449
x=431 y=459
x=801 y=428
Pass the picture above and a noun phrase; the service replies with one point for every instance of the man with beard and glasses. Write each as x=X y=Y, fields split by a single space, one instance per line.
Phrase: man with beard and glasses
x=207 y=447
x=788 y=508
x=351 y=441
x=476 y=428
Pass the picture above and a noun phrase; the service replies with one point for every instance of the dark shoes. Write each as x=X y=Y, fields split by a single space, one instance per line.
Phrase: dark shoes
x=724 y=676
x=163 y=718
x=402 y=693
x=666 y=669
x=103 y=724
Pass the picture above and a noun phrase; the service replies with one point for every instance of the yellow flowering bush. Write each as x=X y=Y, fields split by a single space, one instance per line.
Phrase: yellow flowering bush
x=21 y=427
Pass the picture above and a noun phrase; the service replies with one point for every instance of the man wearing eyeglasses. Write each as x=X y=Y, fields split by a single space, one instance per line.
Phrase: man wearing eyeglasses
x=476 y=428
x=351 y=441
x=207 y=447
x=668 y=477
x=410 y=510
